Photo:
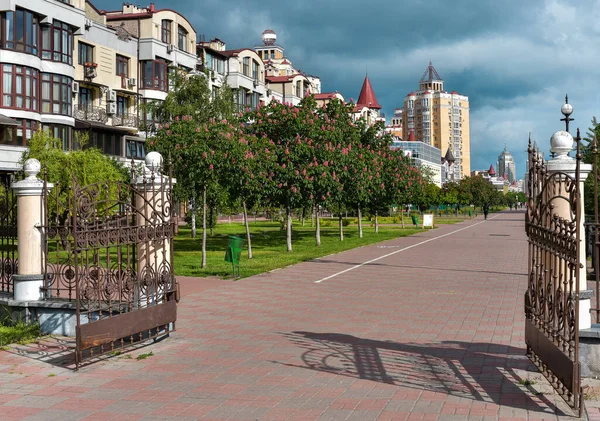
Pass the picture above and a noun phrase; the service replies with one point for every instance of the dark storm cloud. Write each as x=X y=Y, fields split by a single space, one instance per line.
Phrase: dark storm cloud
x=514 y=59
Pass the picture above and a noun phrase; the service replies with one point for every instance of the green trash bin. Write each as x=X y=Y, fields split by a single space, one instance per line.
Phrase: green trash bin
x=470 y=213
x=415 y=220
x=233 y=254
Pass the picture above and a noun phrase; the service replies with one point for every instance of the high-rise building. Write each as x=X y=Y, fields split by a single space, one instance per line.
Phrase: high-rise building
x=506 y=165
x=440 y=119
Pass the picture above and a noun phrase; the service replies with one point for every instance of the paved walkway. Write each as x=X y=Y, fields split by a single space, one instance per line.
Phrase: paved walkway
x=432 y=331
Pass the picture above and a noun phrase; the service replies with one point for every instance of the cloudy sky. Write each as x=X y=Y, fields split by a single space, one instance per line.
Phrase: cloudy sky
x=515 y=59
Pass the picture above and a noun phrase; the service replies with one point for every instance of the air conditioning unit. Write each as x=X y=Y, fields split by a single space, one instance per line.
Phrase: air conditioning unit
x=268 y=92
x=255 y=83
x=111 y=108
x=75 y=87
x=88 y=23
x=132 y=81
x=170 y=48
x=111 y=96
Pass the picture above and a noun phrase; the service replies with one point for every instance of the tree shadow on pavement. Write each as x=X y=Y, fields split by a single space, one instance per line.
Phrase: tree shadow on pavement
x=479 y=371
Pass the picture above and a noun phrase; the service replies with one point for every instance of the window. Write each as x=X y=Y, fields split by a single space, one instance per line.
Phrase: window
x=62 y=132
x=122 y=106
x=57 y=42
x=254 y=70
x=182 y=38
x=18 y=135
x=21 y=31
x=298 y=89
x=20 y=87
x=85 y=53
x=154 y=74
x=136 y=149
x=165 y=31
x=122 y=66
x=108 y=143
x=57 y=96
x=23 y=132
x=86 y=98
x=148 y=117
x=220 y=66
x=246 y=67
x=209 y=62
x=272 y=54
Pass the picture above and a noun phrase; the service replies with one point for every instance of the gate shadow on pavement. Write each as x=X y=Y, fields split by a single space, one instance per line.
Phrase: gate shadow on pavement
x=479 y=371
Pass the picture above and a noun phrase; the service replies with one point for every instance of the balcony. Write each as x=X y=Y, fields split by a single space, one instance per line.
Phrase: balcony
x=90 y=113
x=125 y=121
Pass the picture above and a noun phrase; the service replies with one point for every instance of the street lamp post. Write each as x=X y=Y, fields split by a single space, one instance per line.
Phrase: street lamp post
x=567 y=110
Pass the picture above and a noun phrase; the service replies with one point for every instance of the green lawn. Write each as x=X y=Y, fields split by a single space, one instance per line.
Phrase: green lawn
x=268 y=245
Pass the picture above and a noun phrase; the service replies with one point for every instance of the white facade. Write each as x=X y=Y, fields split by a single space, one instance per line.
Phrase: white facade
x=34 y=70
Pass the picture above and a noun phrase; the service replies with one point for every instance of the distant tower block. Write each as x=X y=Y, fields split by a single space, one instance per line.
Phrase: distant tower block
x=269 y=37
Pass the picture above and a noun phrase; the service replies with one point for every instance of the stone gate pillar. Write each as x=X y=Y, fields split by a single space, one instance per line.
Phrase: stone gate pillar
x=29 y=281
x=561 y=143
x=154 y=210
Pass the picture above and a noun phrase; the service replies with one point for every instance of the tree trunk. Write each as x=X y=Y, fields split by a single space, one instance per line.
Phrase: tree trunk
x=247 y=230
x=376 y=222
x=318 y=230
x=402 y=217
x=457 y=211
x=203 y=227
x=341 y=228
x=193 y=207
x=303 y=215
x=288 y=213
x=360 y=232
x=212 y=232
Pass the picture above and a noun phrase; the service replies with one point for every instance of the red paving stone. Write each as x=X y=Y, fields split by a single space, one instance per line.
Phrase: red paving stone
x=433 y=332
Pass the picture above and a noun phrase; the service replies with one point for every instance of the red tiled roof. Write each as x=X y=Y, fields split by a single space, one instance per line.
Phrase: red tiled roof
x=234 y=53
x=119 y=15
x=281 y=79
x=367 y=97
x=491 y=171
x=454 y=93
x=411 y=94
x=326 y=95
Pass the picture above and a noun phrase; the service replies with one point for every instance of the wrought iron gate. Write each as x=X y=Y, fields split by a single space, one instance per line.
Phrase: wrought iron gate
x=111 y=251
x=8 y=234
x=552 y=297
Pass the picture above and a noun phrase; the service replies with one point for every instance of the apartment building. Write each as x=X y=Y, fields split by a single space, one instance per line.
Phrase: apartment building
x=438 y=118
x=67 y=66
x=106 y=102
x=284 y=81
x=395 y=126
x=36 y=67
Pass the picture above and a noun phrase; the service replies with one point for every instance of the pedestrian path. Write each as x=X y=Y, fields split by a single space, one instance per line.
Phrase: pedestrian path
x=431 y=328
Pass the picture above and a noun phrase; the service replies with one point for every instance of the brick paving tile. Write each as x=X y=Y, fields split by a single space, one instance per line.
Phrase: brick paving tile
x=433 y=332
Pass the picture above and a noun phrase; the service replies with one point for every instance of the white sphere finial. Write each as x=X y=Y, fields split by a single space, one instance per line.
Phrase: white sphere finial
x=566 y=109
x=32 y=167
x=154 y=161
x=561 y=143
x=269 y=37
